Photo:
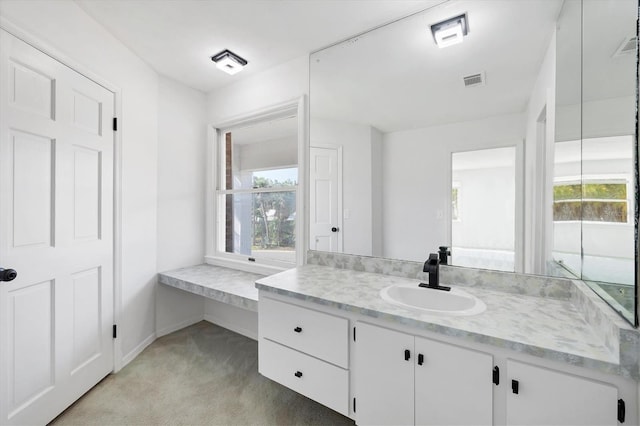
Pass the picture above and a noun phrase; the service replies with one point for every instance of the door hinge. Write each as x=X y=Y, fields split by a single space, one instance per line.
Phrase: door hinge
x=496 y=375
x=115 y=331
x=354 y=334
x=354 y=405
x=621 y=410
x=115 y=124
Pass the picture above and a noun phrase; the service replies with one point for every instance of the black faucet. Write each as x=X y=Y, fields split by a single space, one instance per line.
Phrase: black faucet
x=443 y=254
x=432 y=266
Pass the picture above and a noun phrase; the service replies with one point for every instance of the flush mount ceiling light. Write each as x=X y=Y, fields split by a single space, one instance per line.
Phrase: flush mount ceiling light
x=229 y=62
x=451 y=31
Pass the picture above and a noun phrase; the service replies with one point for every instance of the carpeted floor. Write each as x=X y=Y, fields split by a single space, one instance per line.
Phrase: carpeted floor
x=201 y=375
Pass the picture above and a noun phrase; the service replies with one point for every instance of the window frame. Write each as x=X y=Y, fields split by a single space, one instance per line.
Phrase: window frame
x=215 y=225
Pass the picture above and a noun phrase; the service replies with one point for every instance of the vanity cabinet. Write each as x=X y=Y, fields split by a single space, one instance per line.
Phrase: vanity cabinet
x=539 y=396
x=305 y=350
x=403 y=379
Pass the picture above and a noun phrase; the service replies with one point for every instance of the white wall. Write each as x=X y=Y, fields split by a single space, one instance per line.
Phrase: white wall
x=182 y=137
x=276 y=85
x=67 y=29
x=357 y=198
x=416 y=187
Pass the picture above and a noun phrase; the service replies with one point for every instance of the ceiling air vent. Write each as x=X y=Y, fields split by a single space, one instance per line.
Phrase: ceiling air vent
x=627 y=47
x=474 y=80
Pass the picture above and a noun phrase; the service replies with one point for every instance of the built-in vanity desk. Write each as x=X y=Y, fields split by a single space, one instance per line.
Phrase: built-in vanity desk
x=556 y=357
x=226 y=285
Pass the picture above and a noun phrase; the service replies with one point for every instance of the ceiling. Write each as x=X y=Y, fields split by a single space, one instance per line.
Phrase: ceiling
x=178 y=37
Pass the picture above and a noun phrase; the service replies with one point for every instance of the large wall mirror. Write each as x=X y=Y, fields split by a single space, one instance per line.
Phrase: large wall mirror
x=513 y=142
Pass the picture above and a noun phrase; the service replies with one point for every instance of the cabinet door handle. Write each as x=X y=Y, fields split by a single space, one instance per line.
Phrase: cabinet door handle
x=496 y=375
x=420 y=359
x=621 y=410
x=298 y=329
x=407 y=354
x=298 y=374
x=515 y=386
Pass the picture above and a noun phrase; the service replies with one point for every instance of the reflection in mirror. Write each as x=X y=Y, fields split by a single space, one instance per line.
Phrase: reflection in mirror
x=392 y=107
x=566 y=152
x=483 y=208
x=609 y=84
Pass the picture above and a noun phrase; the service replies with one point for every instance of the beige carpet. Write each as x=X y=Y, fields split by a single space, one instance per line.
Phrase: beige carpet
x=201 y=375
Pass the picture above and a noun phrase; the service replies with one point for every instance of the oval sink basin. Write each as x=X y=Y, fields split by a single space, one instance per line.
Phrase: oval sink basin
x=454 y=302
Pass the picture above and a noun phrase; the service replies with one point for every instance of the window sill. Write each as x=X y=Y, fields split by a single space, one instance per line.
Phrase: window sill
x=245 y=265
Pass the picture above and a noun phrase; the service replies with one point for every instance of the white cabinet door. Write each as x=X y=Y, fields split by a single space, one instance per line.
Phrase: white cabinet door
x=383 y=378
x=453 y=385
x=547 y=397
x=56 y=218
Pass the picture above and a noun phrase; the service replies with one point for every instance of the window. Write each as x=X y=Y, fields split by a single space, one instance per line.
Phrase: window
x=603 y=200
x=455 y=201
x=256 y=196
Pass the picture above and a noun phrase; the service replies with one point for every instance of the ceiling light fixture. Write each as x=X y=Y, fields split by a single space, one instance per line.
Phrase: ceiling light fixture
x=229 y=62
x=451 y=31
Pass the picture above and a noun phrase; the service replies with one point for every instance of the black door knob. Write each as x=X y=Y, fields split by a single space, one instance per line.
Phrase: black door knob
x=335 y=229
x=298 y=374
x=298 y=329
x=7 y=274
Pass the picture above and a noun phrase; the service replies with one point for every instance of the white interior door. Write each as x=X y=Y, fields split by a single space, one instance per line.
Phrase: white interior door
x=325 y=223
x=56 y=219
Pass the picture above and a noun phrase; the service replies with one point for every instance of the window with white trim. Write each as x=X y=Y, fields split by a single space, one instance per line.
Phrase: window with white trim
x=257 y=192
x=592 y=200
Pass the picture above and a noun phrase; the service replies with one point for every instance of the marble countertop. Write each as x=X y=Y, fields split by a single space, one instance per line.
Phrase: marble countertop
x=215 y=282
x=552 y=328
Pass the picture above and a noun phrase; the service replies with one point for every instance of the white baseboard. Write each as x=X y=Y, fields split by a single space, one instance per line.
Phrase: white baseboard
x=179 y=326
x=138 y=349
x=230 y=325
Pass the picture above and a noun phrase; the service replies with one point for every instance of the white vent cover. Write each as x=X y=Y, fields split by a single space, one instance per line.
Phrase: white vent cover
x=473 y=80
x=627 y=47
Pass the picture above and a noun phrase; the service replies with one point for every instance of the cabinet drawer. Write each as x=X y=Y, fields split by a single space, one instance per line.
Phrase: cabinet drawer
x=322 y=335
x=320 y=381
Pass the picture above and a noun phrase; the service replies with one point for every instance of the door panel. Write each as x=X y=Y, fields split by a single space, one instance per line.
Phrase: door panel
x=56 y=230
x=32 y=326
x=87 y=321
x=31 y=189
x=30 y=89
x=87 y=113
x=86 y=193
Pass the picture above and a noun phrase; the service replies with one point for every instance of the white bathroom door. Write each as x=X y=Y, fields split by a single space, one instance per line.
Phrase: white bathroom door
x=324 y=205
x=56 y=231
